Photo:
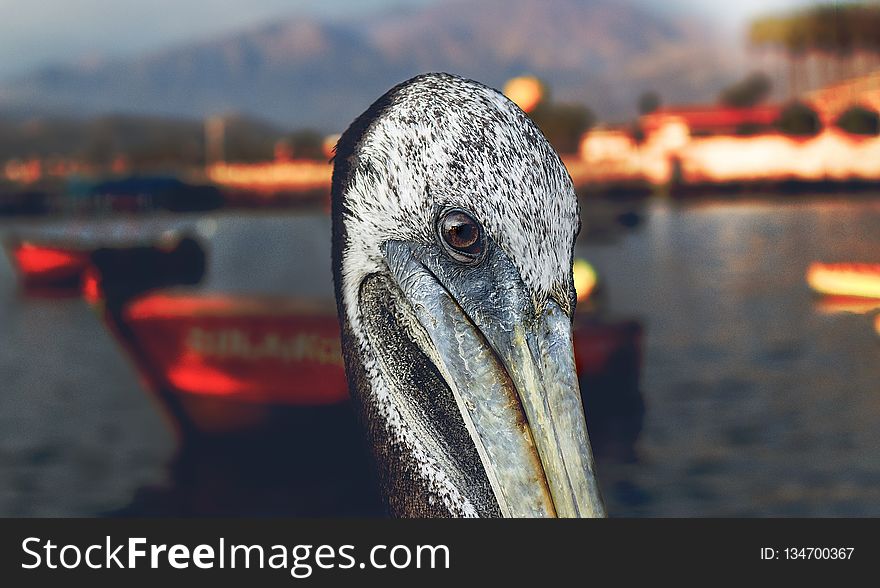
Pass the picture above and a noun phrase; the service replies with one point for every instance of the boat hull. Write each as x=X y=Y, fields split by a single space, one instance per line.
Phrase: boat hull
x=226 y=363
x=45 y=266
x=851 y=280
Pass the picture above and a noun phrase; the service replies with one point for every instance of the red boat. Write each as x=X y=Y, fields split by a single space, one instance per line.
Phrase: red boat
x=60 y=262
x=227 y=359
x=47 y=266
x=223 y=363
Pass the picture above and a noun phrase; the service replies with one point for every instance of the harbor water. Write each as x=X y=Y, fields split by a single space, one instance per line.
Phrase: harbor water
x=760 y=398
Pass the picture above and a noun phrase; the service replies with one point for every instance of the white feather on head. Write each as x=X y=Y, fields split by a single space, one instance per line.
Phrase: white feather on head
x=440 y=141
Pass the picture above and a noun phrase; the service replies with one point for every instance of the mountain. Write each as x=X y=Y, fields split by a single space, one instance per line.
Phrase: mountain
x=321 y=73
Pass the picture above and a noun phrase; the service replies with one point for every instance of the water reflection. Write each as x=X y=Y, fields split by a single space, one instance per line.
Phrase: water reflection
x=755 y=399
x=242 y=375
x=758 y=402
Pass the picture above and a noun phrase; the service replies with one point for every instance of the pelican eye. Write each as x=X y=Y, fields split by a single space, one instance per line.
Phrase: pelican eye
x=461 y=235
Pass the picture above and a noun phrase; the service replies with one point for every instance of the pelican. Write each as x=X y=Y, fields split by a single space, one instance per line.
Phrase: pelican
x=454 y=224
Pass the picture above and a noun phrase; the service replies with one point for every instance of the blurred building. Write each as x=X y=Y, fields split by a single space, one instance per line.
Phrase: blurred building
x=704 y=120
x=832 y=101
x=719 y=144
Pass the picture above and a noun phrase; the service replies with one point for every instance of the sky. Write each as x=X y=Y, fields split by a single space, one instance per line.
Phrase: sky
x=35 y=33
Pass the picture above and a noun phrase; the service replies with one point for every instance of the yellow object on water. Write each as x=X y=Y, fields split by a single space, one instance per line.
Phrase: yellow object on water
x=861 y=280
x=585 y=279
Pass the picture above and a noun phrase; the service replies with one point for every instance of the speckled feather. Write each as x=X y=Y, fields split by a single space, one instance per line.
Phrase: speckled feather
x=433 y=142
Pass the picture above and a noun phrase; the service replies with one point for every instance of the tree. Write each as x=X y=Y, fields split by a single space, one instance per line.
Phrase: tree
x=859 y=120
x=839 y=28
x=837 y=31
x=798 y=119
x=307 y=144
x=563 y=124
x=649 y=102
x=752 y=90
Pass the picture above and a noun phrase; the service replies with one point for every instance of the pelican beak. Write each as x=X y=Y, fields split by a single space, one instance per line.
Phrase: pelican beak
x=511 y=370
x=539 y=358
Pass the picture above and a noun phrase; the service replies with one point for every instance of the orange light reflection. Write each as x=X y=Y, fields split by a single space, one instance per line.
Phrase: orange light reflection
x=841 y=279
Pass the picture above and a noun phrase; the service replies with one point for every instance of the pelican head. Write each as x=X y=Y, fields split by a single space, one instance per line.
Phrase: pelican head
x=454 y=224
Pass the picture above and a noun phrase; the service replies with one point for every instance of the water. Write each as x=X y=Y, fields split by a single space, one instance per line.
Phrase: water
x=758 y=401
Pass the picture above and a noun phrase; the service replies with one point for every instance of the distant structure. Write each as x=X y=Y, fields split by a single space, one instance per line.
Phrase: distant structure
x=717 y=144
x=706 y=120
x=287 y=178
x=830 y=102
x=215 y=139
